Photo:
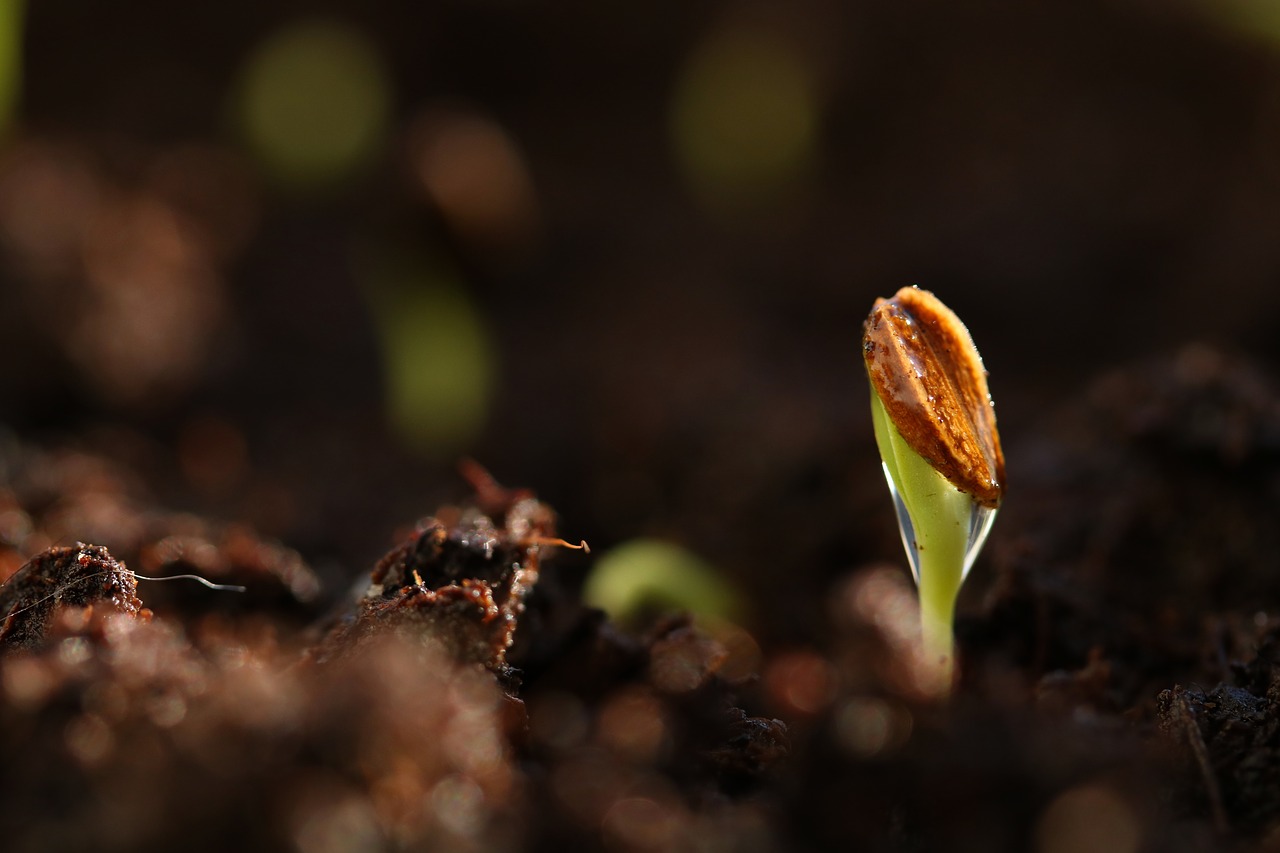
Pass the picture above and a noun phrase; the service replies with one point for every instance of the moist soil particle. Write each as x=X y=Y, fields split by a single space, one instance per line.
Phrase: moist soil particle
x=1120 y=686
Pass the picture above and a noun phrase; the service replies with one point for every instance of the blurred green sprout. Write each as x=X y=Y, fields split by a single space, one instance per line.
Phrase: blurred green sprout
x=313 y=103
x=744 y=119
x=439 y=358
x=12 y=16
x=639 y=577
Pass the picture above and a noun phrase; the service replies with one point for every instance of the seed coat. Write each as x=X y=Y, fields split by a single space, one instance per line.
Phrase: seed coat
x=927 y=372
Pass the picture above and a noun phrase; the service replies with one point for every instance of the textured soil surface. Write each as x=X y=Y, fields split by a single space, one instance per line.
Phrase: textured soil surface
x=1120 y=686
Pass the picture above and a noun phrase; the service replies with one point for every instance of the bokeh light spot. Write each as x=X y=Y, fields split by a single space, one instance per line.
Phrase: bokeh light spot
x=438 y=362
x=744 y=118
x=800 y=682
x=476 y=175
x=869 y=726
x=631 y=724
x=641 y=823
x=1091 y=817
x=12 y=14
x=1253 y=19
x=313 y=103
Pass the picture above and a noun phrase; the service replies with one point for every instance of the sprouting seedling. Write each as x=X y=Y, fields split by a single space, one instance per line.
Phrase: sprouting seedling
x=935 y=426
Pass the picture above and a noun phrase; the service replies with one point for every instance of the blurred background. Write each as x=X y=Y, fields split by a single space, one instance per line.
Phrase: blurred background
x=291 y=262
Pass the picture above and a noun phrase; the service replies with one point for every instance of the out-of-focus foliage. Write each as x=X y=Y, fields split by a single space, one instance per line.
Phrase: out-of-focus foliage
x=11 y=18
x=1257 y=18
x=313 y=103
x=744 y=118
x=642 y=575
x=438 y=361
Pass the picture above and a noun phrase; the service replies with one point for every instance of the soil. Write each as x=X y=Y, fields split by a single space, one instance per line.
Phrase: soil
x=1120 y=685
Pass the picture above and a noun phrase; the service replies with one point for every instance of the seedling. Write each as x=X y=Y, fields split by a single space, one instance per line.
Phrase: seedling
x=935 y=426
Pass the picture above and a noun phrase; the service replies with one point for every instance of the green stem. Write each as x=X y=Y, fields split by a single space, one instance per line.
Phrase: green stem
x=940 y=577
x=940 y=520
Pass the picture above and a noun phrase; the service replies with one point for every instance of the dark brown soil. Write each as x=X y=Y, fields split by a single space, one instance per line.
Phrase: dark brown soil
x=1121 y=680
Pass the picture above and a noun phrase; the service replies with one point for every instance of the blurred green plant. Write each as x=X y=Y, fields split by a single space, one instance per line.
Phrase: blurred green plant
x=744 y=118
x=12 y=16
x=638 y=577
x=313 y=103
x=438 y=357
x=1259 y=19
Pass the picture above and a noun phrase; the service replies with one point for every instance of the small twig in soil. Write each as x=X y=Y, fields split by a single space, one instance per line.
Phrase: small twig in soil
x=1182 y=710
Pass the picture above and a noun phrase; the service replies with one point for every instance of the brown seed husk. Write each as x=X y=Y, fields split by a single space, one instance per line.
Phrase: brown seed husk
x=924 y=367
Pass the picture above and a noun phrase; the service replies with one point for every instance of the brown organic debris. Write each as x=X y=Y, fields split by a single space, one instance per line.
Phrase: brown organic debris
x=756 y=746
x=459 y=581
x=928 y=374
x=79 y=576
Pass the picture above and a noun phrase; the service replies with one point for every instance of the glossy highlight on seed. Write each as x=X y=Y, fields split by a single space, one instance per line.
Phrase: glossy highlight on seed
x=926 y=371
